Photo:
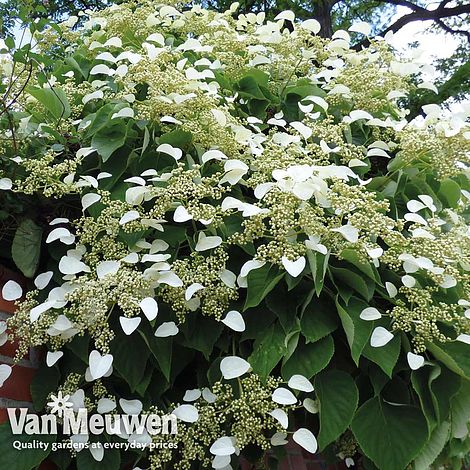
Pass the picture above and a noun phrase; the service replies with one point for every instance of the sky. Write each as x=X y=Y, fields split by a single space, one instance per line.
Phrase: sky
x=434 y=45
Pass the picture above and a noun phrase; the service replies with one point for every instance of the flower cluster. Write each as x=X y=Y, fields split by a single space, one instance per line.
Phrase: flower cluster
x=217 y=164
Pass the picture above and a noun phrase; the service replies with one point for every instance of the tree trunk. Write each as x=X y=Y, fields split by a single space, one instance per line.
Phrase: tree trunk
x=323 y=16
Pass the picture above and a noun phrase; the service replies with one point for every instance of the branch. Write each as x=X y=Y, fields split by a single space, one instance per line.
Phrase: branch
x=448 y=29
x=404 y=3
x=418 y=14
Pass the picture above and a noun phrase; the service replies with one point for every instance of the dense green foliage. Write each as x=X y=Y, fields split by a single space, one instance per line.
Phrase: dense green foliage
x=232 y=219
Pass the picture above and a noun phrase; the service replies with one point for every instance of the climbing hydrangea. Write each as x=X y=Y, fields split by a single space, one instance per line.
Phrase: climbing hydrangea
x=248 y=210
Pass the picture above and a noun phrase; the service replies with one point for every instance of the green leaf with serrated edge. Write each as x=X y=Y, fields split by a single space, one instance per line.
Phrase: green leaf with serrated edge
x=346 y=278
x=146 y=379
x=318 y=266
x=26 y=247
x=390 y=435
x=386 y=356
x=268 y=350
x=309 y=359
x=177 y=138
x=338 y=398
x=433 y=447
x=318 y=320
x=357 y=331
x=291 y=341
x=367 y=268
x=109 y=139
x=22 y=459
x=258 y=319
x=260 y=283
x=454 y=355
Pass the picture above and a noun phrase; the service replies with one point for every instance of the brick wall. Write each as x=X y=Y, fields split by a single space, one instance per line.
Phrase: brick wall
x=16 y=389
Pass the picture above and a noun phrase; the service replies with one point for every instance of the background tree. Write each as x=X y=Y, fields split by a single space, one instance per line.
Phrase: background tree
x=13 y=10
x=448 y=16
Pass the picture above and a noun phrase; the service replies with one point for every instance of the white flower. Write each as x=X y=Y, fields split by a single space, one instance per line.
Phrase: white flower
x=350 y=233
x=294 y=268
x=233 y=367
x=99 y=365
x=313 y=243
x=380 y=337
x=234 y=171
x=205 y=243
x=234 y=320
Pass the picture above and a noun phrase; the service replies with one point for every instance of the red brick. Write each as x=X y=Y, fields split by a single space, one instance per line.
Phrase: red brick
x=9 y=349
x=3 y=415
x=17 y=385
x=5 y=306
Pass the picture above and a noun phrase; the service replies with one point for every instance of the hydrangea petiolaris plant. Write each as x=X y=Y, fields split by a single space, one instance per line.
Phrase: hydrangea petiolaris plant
x=253 y=237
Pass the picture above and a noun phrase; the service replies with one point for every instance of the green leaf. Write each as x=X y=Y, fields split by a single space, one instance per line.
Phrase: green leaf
x=26 y=247
x=108 y=139
x=161 y=348
x=318 y=320
x=346 y=277
x=260 y=283
x=45 y=380
x=116 y=166
x=248 y=87
x=421 y=380
x=449 y=191
x=338 y=397
x=130 y=358
x=454 y=355
x=284 y=304
x=269 y=348
x=53 y=99
x=79 y=63
x=433 y=447
x=357 y=330
x=80 y=347
x=177 y=138
x=257 y=320
x=201 y=333
x=443 y=389
x=460 y=411
x=23 y=459
x=318 y=265
x=309 y=359
x=111 y=460
x=100 y=119
x=390 y=435
x=386 y=356
x=352 y=257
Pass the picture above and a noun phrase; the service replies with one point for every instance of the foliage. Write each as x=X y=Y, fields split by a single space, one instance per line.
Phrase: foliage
x=244 y=230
